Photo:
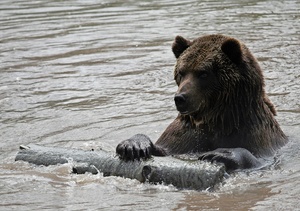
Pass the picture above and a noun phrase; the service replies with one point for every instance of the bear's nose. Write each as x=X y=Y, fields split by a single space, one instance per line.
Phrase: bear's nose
x=180 y=101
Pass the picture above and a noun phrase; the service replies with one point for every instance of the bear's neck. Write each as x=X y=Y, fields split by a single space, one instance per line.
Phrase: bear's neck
x=229 y=116
x=247 y=125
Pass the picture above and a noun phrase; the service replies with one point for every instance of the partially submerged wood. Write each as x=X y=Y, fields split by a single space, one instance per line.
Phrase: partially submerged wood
x=198 y=175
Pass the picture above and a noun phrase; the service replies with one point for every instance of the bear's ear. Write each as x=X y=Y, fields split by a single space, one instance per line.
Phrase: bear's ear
x=180 y=44
x=232 y=48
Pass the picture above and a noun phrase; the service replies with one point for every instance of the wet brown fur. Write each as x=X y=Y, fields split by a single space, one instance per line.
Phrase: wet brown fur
x=228 y=109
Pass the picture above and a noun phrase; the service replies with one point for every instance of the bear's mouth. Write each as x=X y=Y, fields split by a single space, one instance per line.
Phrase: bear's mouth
x=193 y=117
x=188 y=113
x=184 y=109
x=184 y=112
x=195 y=114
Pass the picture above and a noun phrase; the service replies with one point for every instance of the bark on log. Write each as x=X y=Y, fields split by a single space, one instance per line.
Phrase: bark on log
x=183 y=174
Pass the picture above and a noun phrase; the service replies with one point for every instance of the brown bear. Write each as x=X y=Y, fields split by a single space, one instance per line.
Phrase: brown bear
x=224 y=112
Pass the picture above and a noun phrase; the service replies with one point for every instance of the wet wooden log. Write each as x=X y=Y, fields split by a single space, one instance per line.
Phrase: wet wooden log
x=183 y=174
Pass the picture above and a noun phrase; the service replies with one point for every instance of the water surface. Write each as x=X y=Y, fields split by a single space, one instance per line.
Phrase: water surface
x=88 y=74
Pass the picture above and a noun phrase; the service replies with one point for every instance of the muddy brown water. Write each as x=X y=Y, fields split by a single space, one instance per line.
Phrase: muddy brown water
x=88 y=74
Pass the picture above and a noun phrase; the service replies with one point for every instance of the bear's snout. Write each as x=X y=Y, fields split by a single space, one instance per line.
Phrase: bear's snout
x=181 y=102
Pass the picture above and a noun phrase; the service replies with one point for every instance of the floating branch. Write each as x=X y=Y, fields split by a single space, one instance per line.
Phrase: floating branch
x=198 y=175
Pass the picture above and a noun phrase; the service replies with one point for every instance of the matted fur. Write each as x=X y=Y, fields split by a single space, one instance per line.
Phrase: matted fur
x=227 y=106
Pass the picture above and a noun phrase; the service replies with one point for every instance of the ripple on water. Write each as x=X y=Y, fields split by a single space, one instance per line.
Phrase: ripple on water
x=89 y=74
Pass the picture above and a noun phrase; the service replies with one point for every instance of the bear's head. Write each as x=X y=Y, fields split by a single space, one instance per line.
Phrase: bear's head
x=219 y=82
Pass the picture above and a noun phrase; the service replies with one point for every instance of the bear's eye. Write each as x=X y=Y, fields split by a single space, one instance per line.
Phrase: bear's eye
x=178 y=77
x=180 y=73
x=203 y=74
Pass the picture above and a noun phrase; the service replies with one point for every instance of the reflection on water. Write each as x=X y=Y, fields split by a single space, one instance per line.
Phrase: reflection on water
x=89 y=74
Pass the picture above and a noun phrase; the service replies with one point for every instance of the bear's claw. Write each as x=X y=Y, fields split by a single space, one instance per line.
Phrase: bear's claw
x=232 y=158
x=137 y=147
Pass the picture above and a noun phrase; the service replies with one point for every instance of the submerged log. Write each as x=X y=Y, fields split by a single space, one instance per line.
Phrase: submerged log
x=198 y=175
